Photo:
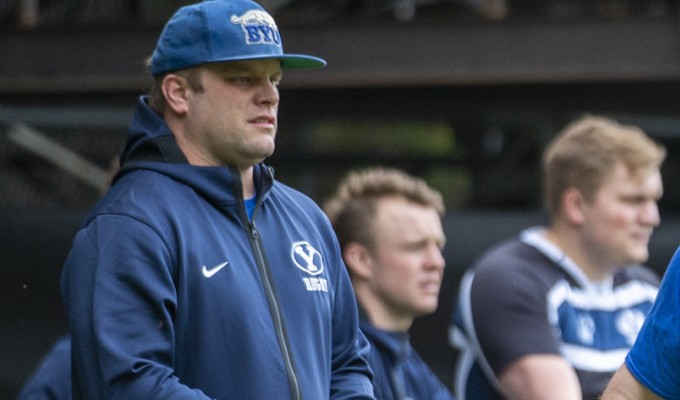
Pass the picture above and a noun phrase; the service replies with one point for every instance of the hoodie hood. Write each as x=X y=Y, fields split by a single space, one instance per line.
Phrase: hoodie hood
x=149 y=138
x=151 y=146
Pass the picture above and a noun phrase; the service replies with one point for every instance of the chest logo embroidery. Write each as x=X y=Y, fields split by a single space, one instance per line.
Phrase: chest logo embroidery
x=209 y=273
x=628 y=323
x=308 y=259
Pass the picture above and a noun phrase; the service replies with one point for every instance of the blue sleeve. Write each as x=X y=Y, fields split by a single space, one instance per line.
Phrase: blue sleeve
x=120 y=298
x=654 y=359
x=351 y=376
x=52 y=378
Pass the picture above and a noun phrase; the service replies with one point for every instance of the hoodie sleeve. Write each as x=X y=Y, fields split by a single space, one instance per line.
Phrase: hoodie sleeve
x=120 y=297
x=351 y=376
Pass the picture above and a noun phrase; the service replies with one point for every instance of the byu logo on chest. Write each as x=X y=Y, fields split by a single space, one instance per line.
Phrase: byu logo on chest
x=307 y=258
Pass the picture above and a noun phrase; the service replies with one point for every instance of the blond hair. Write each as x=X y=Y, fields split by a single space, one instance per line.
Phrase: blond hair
x=583 y=154
x=353 y=206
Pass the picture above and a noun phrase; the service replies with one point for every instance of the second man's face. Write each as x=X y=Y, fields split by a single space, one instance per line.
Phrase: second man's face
x=408 y=264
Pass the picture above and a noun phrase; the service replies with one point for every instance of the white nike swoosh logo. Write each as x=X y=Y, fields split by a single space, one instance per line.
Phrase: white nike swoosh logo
x=208 y=273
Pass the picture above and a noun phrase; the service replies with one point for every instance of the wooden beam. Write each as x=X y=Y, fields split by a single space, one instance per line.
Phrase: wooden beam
x=59 y=155
x=373 y=55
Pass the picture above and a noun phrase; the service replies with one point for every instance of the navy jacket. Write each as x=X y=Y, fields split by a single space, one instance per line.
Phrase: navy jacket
x=400 y=373
x=52 y=379
x=172 y=292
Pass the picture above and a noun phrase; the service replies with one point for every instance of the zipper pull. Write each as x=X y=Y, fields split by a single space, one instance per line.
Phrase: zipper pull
x=253 y=230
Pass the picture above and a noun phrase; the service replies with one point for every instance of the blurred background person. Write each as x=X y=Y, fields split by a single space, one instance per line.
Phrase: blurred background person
x=51 y=380
x=390 y=232
x=552 y=313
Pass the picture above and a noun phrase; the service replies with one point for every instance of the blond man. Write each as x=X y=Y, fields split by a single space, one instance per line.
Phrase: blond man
x=551 y=314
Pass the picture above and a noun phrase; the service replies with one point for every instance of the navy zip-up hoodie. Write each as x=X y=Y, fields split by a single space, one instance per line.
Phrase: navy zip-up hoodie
x=400 y=373
x=172 y=292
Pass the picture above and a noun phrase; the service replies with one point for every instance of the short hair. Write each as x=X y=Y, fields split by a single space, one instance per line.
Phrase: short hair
x=353 y=206
x=156 y=98
x=582 y=155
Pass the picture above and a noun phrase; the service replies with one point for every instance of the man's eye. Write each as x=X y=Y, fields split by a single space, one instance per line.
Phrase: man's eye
x=242 y=80
x=634 y=200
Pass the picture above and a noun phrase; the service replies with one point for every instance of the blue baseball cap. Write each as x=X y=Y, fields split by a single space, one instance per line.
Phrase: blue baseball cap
x=222 y=30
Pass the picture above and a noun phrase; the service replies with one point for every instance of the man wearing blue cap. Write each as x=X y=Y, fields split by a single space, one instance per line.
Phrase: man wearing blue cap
x=198 y=275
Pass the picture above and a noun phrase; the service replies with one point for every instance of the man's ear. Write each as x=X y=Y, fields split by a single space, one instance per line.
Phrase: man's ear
x=174 y=89
x=358 y=260
x=573 y=206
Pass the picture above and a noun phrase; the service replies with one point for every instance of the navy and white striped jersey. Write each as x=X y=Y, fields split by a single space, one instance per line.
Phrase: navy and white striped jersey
x=525 y=297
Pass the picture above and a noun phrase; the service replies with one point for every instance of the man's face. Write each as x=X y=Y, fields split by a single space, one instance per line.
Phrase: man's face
x=233 y=120
x=621 y=217
x=407 y=260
